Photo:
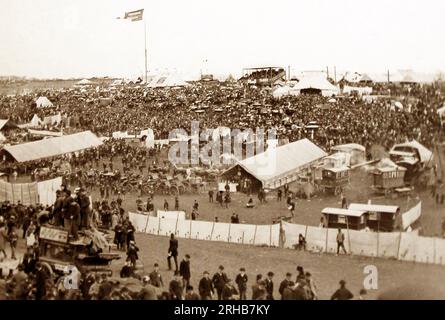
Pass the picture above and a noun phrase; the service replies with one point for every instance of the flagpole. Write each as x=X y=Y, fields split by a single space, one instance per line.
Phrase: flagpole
x=145 y=42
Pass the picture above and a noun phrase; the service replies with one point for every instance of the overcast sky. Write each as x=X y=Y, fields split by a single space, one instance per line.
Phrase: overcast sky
x=53 y=38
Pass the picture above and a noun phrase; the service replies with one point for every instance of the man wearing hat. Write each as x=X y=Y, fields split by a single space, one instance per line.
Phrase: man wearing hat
x=175 y=287
x=84 y=203
x=269 y=285
x=184 y=270
x=219 y=280
x=155 y=277
x=287 y=282
x=191 y=294
x=241 y=281
x=206 y=287
x=342 y=293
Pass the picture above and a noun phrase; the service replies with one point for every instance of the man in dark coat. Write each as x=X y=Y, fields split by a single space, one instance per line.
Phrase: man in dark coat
x=229 y=292
x=173 y=252
x=342 y=293
x=287 y=282
x=241 y=281
x=40 y=282
x=219 y=280
x=85 y=211
x=175 y=287
x=184 y=271
x=155 y=277
x=206 y=287
x=269 y=285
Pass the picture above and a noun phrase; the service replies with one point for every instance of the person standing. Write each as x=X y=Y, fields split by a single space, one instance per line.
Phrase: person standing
x=279 y=195
x=176 y=203
x=155 y=277
x=286 y=283
x=211 y=196
x=241 y=281
x=219 y=280
x=342 y=293
x=312 y=288
x=206 y=287
x=175 y=287
x=340 y=241
x=132 y=253
x=344 y=202
x=184 y=271
x=269 y=285
x=165 y=205
x=3 y=239
x=173 y=252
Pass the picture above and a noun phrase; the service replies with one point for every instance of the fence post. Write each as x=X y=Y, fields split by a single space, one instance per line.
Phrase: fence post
x=242 y=238
x=159 y=224
x=213 y=228
x=228 y=237
x=190 y=231
x=327 y=232
x=176 y=225
x=434 y=251
x=254 y=234
x=398 y=247
x=146 y=224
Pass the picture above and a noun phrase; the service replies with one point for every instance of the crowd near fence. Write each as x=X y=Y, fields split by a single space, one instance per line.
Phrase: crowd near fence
x=403 y=246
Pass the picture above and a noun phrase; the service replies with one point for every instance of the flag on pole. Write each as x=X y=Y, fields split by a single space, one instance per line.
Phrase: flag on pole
x=133 y=15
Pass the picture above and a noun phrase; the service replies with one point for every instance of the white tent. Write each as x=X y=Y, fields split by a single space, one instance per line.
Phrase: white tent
x=35 y=121
x=318 y=82
x=84 y=82
x=170 y=80
x=281 y=92
x=441 y=111
x=43 y=102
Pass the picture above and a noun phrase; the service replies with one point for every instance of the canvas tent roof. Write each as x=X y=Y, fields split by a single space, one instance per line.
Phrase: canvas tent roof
x=365 y=78
x=52 y=147
x=276 y=163
x=7 y=124
x=84 y=82
x=349 y=147
x=170 y=80
x=424 y=153
x=316 y=82
x=43 y=102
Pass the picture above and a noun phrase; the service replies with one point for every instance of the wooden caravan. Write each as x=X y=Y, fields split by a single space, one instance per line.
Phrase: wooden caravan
x=345 y=218
x=379 y=217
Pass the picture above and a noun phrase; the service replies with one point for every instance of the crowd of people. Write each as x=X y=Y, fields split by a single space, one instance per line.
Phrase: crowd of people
x=234 y=106
x=161 y=109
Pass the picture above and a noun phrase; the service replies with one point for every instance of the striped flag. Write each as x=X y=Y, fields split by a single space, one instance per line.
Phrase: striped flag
x=133 y=15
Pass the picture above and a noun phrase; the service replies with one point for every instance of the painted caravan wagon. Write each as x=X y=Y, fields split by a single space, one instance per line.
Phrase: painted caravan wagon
x=334 y=180
x=387 y=179
x=344 y=218
x=379 y=217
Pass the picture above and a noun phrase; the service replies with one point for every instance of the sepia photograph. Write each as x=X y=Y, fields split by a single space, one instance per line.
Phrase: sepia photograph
x=240 y=152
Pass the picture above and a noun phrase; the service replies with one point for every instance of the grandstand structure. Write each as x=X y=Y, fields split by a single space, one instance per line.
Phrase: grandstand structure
x=263 y=76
